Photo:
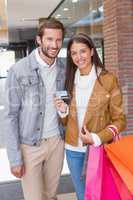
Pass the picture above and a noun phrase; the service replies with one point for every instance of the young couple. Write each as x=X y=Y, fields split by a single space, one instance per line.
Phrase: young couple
x=34 y=116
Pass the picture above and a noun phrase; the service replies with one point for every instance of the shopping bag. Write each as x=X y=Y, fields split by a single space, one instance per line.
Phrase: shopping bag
x=121 y=187
x=100 y=184
x=94 y=174
x=120 y=154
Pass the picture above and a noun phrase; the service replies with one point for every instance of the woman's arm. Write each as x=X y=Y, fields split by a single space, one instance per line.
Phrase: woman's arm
x=118 y=119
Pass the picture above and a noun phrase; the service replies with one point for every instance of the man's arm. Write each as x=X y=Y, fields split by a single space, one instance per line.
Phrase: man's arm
x=12 y=109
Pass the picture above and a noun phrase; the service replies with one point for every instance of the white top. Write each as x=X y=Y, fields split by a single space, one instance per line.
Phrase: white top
x=48 y=74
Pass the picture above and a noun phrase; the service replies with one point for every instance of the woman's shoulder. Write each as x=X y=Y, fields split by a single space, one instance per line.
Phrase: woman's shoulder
x=108 y=79
x=108 y=76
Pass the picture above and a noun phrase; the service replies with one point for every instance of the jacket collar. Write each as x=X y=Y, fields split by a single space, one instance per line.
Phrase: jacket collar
x=32 y=61
x=41 y=62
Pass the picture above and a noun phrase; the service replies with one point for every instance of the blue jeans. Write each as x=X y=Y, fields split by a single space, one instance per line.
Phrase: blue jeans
x=75 y=162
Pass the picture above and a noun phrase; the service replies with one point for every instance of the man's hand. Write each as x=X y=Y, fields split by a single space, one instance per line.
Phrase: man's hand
x=18 y=171
x=86 y=136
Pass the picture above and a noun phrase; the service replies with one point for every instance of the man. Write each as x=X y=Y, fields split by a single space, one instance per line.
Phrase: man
x=34 y=145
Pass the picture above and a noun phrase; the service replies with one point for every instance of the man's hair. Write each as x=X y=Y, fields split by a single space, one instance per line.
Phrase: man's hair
x=50 y=23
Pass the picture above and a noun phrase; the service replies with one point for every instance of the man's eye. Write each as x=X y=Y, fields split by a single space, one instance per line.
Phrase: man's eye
x=59 y=40
x=49 y=39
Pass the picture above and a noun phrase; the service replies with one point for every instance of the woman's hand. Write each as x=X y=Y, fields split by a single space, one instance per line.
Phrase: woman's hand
x=60 y=105
x=86 y=136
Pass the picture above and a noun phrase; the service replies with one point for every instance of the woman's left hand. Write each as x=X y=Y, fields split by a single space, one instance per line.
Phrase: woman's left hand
x=86 y=136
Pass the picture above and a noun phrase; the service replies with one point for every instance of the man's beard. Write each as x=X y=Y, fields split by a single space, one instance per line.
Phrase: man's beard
x=44 y=52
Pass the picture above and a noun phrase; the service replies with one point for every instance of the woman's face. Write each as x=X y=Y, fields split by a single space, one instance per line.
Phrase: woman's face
x=81 y=55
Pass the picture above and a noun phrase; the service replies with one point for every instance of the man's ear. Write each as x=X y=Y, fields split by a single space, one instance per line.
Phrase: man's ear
x=38 y=40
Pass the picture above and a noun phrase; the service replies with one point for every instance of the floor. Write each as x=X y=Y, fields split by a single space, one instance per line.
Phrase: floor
x=70 y=196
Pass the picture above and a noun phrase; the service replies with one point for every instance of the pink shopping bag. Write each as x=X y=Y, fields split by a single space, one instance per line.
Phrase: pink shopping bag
x=100 y=184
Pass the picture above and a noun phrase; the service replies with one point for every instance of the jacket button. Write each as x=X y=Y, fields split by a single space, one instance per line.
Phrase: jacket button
x=107 y=95
x=38 y=129
x=40 y=113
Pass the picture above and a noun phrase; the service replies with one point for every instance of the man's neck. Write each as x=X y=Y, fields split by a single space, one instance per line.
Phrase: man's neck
x=46 y=59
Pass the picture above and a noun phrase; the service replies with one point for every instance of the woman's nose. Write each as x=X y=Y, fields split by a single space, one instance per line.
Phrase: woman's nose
x=79 y=55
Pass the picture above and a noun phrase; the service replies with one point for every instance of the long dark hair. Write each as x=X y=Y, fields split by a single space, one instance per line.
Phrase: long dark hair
x=71 y=67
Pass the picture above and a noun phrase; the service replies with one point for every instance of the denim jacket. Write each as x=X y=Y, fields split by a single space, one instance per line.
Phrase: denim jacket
x=25 y=105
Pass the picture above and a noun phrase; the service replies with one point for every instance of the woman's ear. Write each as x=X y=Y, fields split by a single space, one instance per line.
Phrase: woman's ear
x=92 y=52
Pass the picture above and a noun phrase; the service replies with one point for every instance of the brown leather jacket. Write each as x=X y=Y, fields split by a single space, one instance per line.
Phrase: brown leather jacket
x=104 y=108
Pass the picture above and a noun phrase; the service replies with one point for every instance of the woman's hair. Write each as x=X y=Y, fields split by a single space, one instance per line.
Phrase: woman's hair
x=71 y=67
x=51 y=23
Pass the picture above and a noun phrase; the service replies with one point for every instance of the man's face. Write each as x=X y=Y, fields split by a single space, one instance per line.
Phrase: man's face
x=51 y=42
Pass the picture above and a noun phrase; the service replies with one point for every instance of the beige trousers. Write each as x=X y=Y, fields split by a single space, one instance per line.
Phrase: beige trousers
x=43 y=166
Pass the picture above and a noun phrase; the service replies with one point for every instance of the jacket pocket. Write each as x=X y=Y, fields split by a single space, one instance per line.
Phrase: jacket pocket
x=28 y=80
x=30 y=88
x=99 y=102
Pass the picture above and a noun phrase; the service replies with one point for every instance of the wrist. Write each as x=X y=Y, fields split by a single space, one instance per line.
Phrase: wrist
x=96 y=140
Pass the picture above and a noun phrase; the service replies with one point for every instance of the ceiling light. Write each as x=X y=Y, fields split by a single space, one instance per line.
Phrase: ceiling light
x=66 y=9
x=58 y=15
x=74 y=1
x=28 y=19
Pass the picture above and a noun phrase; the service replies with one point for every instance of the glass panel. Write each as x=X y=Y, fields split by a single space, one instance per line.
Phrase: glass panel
x=82 y=16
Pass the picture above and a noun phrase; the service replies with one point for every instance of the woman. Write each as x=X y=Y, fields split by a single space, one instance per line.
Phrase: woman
x=95 y=113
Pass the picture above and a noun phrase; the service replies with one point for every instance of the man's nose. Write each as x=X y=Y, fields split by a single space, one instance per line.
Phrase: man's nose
x=54 y=44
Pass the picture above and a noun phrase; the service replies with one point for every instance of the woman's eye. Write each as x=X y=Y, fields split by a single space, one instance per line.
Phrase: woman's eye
x=73 y=53
x=83 y=51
